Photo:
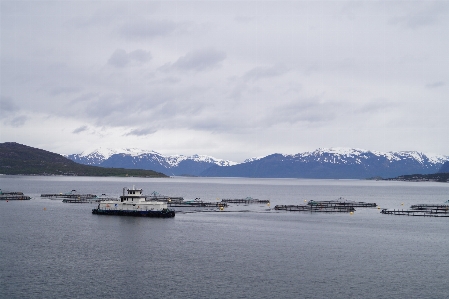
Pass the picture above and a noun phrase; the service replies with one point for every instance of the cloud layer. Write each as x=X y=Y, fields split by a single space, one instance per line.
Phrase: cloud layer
x=229 y=79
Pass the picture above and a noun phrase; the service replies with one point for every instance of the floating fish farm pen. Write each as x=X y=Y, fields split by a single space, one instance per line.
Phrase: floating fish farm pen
x=341 y=203
x=247 y=200
x=197 y=204
x=425 y=210
x=71 y=194
x=13 y=196
x=81 y=200
x=316 y=209
x=155 y=196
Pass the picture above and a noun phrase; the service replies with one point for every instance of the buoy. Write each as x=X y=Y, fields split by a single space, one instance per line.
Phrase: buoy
x=351 y=213
x=221 y=208
x=305 y=200
x=378 y=208
x=268 y=203
x=402 y=203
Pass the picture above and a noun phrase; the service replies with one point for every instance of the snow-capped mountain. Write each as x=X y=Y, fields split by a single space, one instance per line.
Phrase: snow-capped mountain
x=145 y=159
x=338 y=163
x=335 y=163
x=97 y=156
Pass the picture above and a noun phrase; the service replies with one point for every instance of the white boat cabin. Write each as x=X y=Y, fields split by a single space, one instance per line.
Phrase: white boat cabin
x=134 y=200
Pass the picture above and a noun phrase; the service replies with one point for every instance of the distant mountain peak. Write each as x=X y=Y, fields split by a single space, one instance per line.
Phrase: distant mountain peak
x=334 y=162
x=108 y=152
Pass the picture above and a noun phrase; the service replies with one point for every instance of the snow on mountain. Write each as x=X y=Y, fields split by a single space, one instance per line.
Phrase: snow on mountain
x=107 y=152
x=174 y=160
x=341 y=155
x=253 y=159
x=333 y=162
x=99 y=155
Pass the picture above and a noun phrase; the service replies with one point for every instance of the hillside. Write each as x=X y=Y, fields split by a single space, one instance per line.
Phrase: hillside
x=16 y=158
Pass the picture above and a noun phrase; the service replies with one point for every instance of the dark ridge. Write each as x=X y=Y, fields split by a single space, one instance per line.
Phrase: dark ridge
x=17 y=158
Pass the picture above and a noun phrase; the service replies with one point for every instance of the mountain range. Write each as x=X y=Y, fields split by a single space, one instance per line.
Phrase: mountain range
x=330 y=163
x=134 y=158
x=17 y=158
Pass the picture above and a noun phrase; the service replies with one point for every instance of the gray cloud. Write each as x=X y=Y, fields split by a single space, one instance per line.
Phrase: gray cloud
x=141 y=132
x=147 y=28
x=310 y=111
x=64 y=90
x=9 y=113
x=420 y=14
x=200 y=60
x=436 y=84
x=375 y=106
x=120 y=58
x=262 y=71
x=7 y=105
x=80 y=129
x=265 y=72
x=18 y=121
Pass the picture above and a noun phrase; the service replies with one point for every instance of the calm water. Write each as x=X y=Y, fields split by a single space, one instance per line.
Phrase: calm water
x=49 y=249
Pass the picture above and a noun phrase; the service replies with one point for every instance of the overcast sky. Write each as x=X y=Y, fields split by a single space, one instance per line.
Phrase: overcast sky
x=230 y=79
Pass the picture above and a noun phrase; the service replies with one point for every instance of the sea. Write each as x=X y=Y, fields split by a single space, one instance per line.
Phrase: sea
x=51 y=249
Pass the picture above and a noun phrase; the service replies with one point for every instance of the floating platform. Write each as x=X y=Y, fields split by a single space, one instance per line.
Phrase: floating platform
x=248 y=200
x=429 y=206
x=10 y=193
x=198 y=204
x=71 y=194
x=317 y=209
x=437 y=212
x=79 y=200
x=103 y=197
x=164 y=198
x=155 y=196
x=165 y=213
x=13 y=195
x=341 y=203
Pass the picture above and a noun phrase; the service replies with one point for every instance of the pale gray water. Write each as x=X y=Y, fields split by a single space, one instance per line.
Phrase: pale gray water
x=49 y=249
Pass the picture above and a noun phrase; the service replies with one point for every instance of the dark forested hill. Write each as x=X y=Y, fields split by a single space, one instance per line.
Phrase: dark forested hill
x=17 y=158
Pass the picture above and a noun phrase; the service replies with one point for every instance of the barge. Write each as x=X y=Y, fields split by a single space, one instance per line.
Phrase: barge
x=133 y=203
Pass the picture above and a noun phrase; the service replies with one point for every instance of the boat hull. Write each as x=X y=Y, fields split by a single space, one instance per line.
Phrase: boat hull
x=166 y=213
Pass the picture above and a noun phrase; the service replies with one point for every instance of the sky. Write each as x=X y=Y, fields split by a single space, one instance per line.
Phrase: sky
x=229 y=79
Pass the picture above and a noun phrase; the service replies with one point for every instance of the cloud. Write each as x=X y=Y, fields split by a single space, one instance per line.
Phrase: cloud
x=265 y=72
x=80 y=129
x=422 y=14
x=7 y=105
x=120 y=58
x=64 y=90
x=310 y=111
x=200 y=60
x=147 y=28
x=435 y=84
x=18 y=121
x=375 y=106
x=242 y=84
x=141 y=132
